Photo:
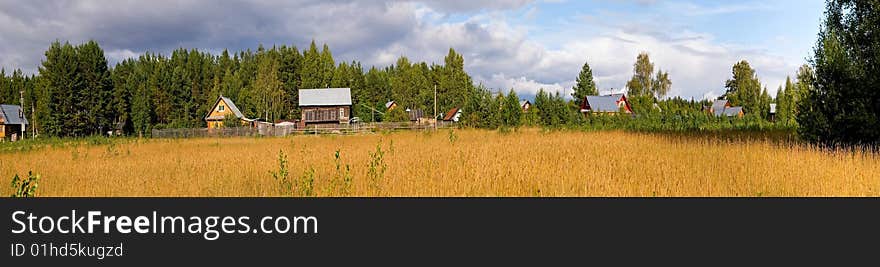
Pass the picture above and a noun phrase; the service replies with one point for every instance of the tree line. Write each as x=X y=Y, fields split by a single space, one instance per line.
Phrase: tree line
x=76 y=93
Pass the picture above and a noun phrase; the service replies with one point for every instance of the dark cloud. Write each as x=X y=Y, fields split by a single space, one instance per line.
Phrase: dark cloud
x=353 y=28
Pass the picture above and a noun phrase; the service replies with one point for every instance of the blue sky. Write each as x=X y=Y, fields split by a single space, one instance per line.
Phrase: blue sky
x=508 y=44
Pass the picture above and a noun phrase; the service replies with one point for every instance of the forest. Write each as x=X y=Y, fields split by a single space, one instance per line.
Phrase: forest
x=833 y=100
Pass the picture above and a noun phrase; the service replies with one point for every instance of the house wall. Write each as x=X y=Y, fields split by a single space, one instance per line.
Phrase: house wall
x=328 y=114
x=217 y=112
x=222 y=113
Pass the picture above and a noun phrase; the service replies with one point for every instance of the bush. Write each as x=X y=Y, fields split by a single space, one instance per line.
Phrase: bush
x=25 y=188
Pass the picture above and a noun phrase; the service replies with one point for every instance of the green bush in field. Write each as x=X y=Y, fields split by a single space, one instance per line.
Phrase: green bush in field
x=25 y=188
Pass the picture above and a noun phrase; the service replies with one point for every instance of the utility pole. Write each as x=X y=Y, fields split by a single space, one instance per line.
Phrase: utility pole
x=435 y=107
x=21 y=113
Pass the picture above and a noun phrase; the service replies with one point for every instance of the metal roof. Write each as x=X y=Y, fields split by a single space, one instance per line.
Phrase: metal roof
x=718 y=106
x=12 y=114
x=229 y=104
x=325 y=97
x=452 y=114
x=605 y=103
x=388 y=105
x=732 y=111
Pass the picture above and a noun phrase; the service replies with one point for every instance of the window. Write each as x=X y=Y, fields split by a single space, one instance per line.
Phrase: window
x=341 y=113
x=220 y=108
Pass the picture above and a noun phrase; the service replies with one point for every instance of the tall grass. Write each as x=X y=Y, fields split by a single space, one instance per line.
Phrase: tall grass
x=526 y=162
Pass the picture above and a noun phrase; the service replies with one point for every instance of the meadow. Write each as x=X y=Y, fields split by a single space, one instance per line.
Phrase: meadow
x=527 y=162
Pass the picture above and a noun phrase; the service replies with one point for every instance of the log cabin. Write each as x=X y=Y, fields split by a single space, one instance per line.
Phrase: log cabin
x=325 y=106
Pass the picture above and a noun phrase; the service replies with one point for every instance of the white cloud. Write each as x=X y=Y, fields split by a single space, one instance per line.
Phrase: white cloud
x=498 y=52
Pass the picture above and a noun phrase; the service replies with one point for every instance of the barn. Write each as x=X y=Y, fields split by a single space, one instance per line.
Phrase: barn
x=607 y=104
x=13 y=123
x=325 y=106
x=224 y=107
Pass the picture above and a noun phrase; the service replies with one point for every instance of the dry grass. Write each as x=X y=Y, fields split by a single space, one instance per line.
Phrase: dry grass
x=480 y=163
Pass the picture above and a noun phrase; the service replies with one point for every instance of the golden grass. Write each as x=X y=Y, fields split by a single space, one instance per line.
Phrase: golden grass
x=480 y=163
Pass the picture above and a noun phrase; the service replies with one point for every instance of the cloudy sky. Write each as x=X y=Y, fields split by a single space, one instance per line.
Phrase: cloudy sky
x=519 y=44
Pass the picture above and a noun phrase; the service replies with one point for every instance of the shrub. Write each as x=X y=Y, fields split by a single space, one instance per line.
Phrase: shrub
x=377 y=168
x=25 y=188
x=285 y=187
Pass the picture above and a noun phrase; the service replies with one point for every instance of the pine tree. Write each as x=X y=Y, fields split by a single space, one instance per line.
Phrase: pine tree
x=585 y=85
x=512 y=111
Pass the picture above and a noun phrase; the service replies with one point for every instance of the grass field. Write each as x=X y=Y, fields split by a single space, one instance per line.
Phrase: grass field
x=461 y=163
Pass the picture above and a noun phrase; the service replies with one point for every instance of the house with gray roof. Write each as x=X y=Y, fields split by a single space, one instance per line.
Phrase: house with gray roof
x=325 y=106
x=607 y=104
x=721 y=107
x=13 y=122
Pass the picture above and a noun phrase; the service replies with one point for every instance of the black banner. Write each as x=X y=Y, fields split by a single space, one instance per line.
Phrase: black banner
x=420 y=231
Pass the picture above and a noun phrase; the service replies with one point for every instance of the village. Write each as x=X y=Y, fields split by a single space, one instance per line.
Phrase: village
x=329 y=110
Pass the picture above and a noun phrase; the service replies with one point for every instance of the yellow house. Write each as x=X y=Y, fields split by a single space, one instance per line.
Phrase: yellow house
x=223 y=107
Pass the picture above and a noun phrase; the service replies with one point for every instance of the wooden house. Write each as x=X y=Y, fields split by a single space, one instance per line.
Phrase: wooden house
x=525 y=105
x=224 y=107
x=722 y=107
x=13 y=123
x=452 y=115
x=325 y=106
x=606 y=104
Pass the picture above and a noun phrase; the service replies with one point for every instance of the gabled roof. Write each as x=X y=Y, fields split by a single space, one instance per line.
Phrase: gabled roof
x=12 y=114
x=523 y=102
x=732 y=111
x=388 y=105
x=325 y=97
x=718 y=106
x=451 y=114
x=229 y=104
x=605 y=103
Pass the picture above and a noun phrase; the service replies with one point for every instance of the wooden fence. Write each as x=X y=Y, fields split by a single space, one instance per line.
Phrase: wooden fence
x=273 y=130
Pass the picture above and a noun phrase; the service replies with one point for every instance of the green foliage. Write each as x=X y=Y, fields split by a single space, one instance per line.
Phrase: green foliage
x=342 y=180
x=842 y=108
x=25 y=187
x=585 y=85
x=452 y=136
x=511 y=110
x=376 y=171
x=231 y=121
x=396 y=115
x=306 y=184
x=645 y=82
x=744 y=89
x=285 y=186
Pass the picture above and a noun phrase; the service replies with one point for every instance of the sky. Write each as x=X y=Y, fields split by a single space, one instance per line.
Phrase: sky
x=507 y=44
